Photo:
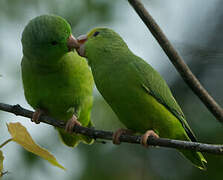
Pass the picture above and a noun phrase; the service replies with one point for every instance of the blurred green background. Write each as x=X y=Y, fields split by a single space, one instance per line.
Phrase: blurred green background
x=194 y=27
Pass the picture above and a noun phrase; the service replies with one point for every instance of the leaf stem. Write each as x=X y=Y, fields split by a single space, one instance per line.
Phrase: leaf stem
x=6 y=142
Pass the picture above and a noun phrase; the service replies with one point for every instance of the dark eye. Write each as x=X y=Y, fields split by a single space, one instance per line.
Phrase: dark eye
x=54 y=43
x=96 y=33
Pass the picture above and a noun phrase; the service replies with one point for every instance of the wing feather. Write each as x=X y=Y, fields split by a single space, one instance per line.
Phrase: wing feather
x=155 y=85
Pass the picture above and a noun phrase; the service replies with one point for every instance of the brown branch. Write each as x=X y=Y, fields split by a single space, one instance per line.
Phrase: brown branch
x=177 y=60
x=107 y=135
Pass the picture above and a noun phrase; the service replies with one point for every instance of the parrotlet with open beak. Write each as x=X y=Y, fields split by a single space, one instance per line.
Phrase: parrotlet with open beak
x=136 y=92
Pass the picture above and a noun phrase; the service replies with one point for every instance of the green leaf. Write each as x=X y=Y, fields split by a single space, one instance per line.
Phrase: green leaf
x=21 y=136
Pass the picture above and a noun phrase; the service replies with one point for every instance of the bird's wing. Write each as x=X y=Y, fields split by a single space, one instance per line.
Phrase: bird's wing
x=155 y=85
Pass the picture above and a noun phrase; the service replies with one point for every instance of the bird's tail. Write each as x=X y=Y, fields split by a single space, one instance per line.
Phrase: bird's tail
x=196 y=158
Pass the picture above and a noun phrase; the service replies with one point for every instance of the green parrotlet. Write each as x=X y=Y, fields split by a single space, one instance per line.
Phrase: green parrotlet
x=136 y=92
x=57 y=81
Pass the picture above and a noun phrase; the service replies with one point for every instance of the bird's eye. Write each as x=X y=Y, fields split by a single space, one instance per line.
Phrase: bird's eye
x=96 y=33
x=54 y=43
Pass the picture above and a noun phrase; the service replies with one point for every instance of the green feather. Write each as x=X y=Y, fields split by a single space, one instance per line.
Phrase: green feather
x=155 y=85
x=136 y=92
x=55 y=80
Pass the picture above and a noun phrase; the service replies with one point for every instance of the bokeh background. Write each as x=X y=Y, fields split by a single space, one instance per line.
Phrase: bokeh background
x=194 y=27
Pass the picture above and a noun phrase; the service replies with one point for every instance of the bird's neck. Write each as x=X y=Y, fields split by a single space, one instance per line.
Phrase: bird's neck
x=107 y=55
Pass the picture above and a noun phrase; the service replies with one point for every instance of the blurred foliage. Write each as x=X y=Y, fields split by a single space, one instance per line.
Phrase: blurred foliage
x=80 y=14
x=1 y=163
x=203 y=54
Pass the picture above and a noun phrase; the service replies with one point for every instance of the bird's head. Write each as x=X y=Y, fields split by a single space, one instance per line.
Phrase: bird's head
x=100 y=41
x=46 y=38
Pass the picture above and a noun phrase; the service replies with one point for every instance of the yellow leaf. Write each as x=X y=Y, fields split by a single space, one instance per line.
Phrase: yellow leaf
x=1 y=163
x=21 y=136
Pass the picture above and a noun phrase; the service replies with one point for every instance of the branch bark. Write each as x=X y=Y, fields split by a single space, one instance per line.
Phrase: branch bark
x=107 y=135
x=177 y=60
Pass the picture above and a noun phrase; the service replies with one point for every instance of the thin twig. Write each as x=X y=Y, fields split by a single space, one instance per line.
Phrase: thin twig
x=177 y=60
x=107 y=135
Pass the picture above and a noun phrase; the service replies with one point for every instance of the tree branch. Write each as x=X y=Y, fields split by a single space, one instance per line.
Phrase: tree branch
x=107 y=135
x=177 y=60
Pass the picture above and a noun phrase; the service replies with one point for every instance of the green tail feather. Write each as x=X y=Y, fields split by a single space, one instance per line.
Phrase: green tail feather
x=74 y=140
x=196 y=158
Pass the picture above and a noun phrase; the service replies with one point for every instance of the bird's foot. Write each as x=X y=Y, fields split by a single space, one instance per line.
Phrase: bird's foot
x=36 y=116
x=71 y=123
x=116 y=135
x=146 y=135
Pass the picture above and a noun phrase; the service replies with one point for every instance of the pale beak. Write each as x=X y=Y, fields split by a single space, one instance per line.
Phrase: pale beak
x=72 y=43
x=81 y=40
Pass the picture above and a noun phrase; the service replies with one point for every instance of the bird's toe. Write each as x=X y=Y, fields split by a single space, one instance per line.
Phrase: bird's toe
x=146 y=135
x=71 y=123
x=36 y=115
x=116 y=135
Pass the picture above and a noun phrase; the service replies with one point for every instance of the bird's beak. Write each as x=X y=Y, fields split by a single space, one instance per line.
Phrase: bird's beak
x=81 y=40
x=72 y=43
